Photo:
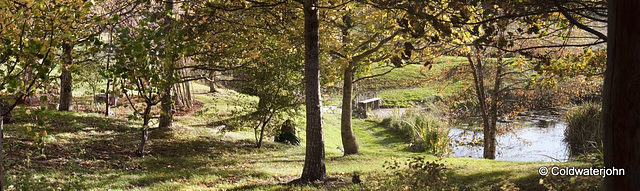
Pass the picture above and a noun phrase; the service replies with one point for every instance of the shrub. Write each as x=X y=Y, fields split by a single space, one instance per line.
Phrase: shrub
x=584 y=133
x=425 y=130
x=550 y=182
x=418 y=174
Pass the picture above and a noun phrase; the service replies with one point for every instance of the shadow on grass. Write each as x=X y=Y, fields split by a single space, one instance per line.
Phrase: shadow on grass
x=72 y=122
x=230 y=124
x=204 y=145
x=388 y=137
x=69 y=135
x=265 y=186
x=206 y=159
x=333 y=182
x=478 y=180
x=77 y=151
x=498 y=180
x=88 y=151
x=533 y=182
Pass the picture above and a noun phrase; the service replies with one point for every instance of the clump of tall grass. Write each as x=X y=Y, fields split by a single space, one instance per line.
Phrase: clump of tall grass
x=584 y=133
x=425 y=130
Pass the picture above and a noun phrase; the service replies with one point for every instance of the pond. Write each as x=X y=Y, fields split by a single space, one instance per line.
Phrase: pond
x=534 y=140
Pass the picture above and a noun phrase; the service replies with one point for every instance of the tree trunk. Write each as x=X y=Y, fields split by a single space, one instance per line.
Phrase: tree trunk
x=262 y=117
x=489 y=151
x=493 y=129
x=211 y=82
x=178 y=99
x=145 y=130
x=166 y=113
x=621 y=95
x=183 y=92
x=166 y=105
x=314 y=168
x=106 y=110
x=264 y=125
x=1 y=152
x=66 y=94
x=5 y=110
x=349 y=141
x=187 y=91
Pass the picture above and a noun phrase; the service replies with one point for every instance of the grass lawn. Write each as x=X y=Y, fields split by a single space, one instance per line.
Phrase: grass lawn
x=415 y=84
x=92 y=152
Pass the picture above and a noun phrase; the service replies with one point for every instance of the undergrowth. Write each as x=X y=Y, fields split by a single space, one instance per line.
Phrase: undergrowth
x=583 y=133
x=425 y=130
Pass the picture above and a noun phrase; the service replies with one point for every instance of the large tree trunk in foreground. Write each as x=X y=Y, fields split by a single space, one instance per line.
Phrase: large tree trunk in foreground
x=145 y=130
x=314 y=168
x=349 y=141
x=621 y=95
x=66 y=94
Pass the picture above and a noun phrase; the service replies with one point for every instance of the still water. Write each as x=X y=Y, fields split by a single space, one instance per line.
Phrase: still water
x=531 y=140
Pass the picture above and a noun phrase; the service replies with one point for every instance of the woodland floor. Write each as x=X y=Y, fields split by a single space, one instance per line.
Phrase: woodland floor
x=87 y=151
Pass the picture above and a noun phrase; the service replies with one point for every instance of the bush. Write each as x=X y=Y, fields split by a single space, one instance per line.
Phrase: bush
x=425 y=129
x=416 y=173
x=584 y=133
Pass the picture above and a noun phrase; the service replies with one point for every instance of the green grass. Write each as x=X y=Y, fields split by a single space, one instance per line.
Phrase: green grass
x=407 y=97
x=91 y=152
x=415 y=84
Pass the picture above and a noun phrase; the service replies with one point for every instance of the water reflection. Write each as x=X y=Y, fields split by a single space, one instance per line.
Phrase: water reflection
x=539 y=140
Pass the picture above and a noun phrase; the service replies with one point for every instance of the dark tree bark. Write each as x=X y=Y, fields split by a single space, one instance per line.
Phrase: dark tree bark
x=314 y=168
x=66 y=87
x=1 y=151
x=6 y=110
x=349 y=141
x=145 y=129
x=621 y=95
x=263 y=125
